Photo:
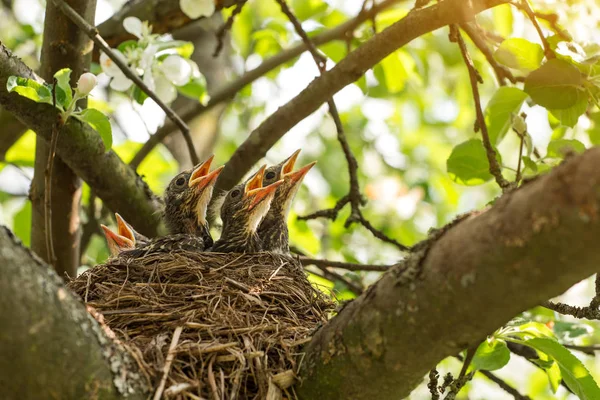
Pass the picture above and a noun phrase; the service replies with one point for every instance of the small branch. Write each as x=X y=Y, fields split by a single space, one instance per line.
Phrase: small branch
x=48 y=183
x=334 y=276
x=589 y=350
x=344 y=265
x=354 y=196
x=432 y=385
x=330 y=213
x=503 y=385
x=475 y=78
x=502 y=73
x=524 y=5
x=226 y=28
x=92 y=33
x=577 y=312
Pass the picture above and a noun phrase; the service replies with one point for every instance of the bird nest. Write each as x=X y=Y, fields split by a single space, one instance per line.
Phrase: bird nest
x=209 y=325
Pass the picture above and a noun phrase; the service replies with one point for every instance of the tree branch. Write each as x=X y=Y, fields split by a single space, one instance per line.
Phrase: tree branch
x=49 y=342
x=229 y=91
x=343 y=265
x=401 y=327
x=348 y=70
x=82 y=149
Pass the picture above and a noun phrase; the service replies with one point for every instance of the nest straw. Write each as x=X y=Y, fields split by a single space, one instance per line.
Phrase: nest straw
x=209 y=325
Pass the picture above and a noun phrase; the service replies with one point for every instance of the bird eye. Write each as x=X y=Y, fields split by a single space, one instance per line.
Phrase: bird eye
x=270 y=175
x=180 y=181
x=235 y=193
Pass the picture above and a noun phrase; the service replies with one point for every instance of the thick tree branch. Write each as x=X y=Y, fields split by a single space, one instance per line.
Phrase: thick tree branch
x=399 y=329
x=81 y=148
x=228 y=91
x=348 y=70
x=49 y=343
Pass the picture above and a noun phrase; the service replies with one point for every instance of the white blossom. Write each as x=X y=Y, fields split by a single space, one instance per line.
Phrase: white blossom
x=119 y=82
x=197 y=8
x=176 y=69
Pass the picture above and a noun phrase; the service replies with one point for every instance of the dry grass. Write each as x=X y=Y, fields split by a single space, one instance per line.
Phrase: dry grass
x=235 y=323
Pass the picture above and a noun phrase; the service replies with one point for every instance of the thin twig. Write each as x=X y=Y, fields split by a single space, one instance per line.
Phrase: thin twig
x=354 y=196
x=340 y=32
x=475 y=78
x=334 y=276
x=168 y=362
x=344 y=265
x=577 y=312
x=433 y=384
x=226 y=27
x=505 y=386
x=56 y=128
x=590 y=350
x=502 y=73
x=93 y=34
x=524 y=5
x=330 y=213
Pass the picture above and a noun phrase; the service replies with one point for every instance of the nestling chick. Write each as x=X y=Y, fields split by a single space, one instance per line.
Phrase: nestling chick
x=116 y=243
x=244 y=207
x=186 y=199
x=273 y=230
x=126 y=230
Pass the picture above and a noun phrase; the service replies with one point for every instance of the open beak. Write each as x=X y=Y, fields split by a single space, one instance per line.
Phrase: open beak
x=255 y=182
x=260 y=194
x=200 y=172
x=297 y=176
x=207 y=180
x=288 y=165
x=116 y=242
x=123 y=229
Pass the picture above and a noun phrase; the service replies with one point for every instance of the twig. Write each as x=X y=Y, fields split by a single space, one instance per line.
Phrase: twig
x=505 y=386
x=230 y=90
x=590 y=350
x=93 y=34
x=48 y=183
x=226 y=27
x=577 y=312
x=168 y=362
x=334 y=276
x=595 y=302
x=330 y=213
x=502 y=73
x=524 y=5
x=344 y=265
x=433 y=384
x=475 y=78
x=354 y=196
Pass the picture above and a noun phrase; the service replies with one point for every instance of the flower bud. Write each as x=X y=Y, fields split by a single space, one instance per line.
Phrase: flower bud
x=86 y=83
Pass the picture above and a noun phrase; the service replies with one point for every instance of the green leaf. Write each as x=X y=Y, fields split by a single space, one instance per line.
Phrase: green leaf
x=468 y=164
x=127 y=45
x=40 y=93
x=570 y=116
x=195 y=89
x=64 y=93
x=520 y=54
x=558 y=148
x=505 y=102
x=573 y=372
x=304 y=9
x=491 y=355
x=529 y=164
x=138 y=94
x=570 y=330
x=554 y=376
x=100 y=123
x=394 y=70
x=555 y=85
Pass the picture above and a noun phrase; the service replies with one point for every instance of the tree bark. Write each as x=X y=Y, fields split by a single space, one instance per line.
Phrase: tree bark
x=351 y=68
x=51 y=347
x=475 y=275
x=121 y=189
x=64 y=46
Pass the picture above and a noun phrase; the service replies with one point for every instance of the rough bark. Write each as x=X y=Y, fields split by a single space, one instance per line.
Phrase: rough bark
x=121 y=189
x=351 y=68
x=531 y=245
x=64 y=46
x=51 y=347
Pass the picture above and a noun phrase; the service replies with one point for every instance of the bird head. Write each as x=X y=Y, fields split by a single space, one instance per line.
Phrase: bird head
x=286 y=192
x=116 y=243
x=187 y=197
x=247 y=203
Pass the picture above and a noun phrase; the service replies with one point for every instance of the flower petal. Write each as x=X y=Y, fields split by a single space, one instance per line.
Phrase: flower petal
x=197 y=8
x=177 y=70
x=108 y=66
x=165 y=89
x=120 y=83
x=133 y=25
